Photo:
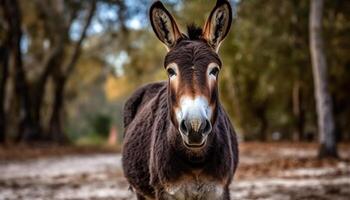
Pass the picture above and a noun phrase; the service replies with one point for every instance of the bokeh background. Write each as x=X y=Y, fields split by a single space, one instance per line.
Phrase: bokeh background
x=67 y=67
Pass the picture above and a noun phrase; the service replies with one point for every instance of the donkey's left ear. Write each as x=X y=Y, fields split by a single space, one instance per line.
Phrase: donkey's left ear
x=164 y=25
x=218 y=24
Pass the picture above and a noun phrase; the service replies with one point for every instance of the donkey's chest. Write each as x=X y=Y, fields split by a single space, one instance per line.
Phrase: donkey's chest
x=194 y=190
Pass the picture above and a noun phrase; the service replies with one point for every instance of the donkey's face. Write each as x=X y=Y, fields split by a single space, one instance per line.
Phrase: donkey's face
x=193 y=70
x=193 y=67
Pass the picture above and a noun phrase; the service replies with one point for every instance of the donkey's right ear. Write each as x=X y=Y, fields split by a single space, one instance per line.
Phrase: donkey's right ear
x=164 y=25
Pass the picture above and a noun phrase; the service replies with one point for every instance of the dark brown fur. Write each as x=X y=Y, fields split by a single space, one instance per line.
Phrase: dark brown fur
x=150 y=160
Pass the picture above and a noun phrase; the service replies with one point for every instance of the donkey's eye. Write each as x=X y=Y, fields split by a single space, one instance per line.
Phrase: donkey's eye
x=214 y=71
x=171 y=72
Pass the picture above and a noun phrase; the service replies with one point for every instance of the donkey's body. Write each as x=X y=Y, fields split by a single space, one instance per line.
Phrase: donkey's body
x=153 y=164
x=179 y=143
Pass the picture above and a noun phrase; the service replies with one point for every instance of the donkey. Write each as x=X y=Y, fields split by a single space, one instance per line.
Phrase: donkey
x=178 y=141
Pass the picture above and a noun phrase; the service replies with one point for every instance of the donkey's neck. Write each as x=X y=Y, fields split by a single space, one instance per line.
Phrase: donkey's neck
x=175 y=160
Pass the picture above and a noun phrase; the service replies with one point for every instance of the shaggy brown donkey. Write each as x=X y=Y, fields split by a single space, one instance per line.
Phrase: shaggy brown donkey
x=179 y=142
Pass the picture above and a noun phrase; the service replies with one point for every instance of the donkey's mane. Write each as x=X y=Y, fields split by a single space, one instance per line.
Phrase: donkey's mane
x=194 y=32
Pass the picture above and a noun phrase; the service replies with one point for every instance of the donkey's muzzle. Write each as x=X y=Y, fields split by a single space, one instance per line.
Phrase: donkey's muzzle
x=195 y=131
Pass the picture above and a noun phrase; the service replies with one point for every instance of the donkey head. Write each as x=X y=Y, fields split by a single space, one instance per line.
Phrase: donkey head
x=193 y=66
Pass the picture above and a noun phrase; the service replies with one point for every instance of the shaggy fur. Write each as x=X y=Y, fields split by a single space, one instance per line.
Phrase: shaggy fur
x=151 y=161
x=194 y=32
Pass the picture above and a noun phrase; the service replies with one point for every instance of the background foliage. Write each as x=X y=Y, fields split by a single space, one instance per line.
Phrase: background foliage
x=266 y=84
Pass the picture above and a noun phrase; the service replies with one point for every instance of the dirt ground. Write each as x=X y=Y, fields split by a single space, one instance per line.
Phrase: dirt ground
x=267 y=171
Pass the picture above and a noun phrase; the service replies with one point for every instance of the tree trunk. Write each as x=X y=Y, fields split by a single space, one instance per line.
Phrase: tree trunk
x=60 y=77
x=298 y=112
x=57 y=28
x=261 y=115
x=56 y=134
x=4 y=58
x=263 y=129
x=319 y=66
x=3 y=80
x=39 y=91
x=27 y=129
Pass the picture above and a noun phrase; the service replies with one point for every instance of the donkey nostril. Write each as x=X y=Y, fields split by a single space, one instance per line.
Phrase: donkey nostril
x=183 y=127
x=207 y=127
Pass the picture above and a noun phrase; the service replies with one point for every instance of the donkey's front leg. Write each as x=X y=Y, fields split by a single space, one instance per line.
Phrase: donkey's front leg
x=226 y=195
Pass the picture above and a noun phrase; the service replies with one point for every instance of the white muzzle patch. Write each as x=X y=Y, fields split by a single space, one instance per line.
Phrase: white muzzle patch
x=194 y=109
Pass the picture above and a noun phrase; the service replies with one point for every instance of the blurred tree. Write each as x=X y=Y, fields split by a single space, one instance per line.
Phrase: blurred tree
x=3 y=81
x=261 y=98
x=266 y=61
x=27 y=126
x=57 y=22
x=4 y=58
x=336 y=29
x=48 y=51
x=323 y=98
x=60 y=77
